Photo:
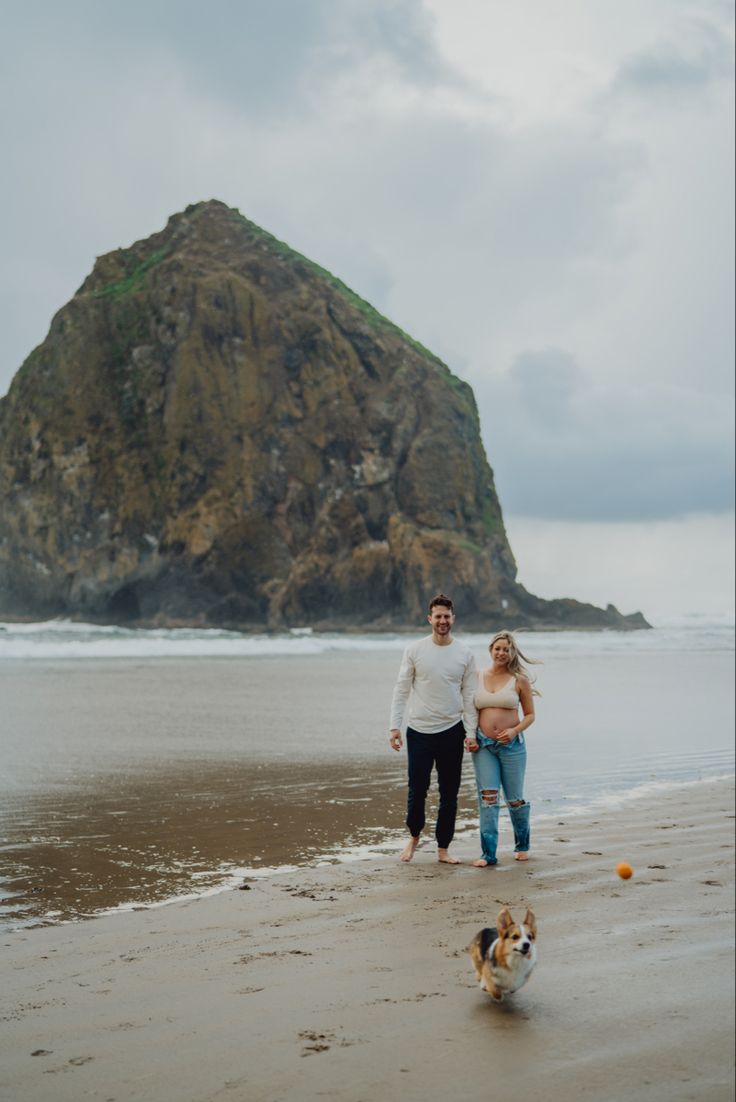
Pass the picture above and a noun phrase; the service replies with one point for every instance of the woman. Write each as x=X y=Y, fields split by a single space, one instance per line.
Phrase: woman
x=499 y=752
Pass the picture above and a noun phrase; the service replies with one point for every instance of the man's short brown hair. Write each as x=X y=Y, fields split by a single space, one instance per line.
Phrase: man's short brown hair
x=441 y=599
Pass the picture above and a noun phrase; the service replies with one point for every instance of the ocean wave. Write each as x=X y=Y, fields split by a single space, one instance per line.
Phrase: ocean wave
x=69 y=639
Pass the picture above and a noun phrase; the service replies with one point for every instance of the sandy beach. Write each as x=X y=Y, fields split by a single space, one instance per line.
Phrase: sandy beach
x=352 y=982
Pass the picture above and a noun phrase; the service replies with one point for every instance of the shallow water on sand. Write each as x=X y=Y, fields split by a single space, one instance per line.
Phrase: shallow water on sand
x=131 y=781
x=139 y=839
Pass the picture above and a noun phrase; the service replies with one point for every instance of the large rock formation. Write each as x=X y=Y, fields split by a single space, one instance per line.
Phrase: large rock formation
x=217 y=431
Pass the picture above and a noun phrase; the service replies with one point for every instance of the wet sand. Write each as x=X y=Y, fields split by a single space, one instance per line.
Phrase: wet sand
x=351 y=982
x=134 y=780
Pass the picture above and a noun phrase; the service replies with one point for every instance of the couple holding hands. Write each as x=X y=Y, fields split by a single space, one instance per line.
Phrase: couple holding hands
x=451 y=708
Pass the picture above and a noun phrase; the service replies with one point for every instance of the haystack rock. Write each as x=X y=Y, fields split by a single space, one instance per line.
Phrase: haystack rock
x=218 y=432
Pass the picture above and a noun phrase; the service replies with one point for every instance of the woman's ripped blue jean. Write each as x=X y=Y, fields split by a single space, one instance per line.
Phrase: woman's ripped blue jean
x=501 y=767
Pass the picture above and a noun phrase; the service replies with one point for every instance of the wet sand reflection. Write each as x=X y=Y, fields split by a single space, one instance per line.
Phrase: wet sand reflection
x=146 y=838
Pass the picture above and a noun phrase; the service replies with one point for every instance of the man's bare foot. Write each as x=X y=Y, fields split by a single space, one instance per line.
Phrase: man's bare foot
x=522 y=857
x=481 y=863
x=409 y=849
x=444 y=857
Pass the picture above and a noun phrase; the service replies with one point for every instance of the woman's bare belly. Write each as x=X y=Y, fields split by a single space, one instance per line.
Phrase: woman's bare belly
x=494 y=720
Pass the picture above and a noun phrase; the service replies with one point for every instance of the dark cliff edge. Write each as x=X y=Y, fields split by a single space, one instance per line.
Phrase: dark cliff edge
x=217 y=432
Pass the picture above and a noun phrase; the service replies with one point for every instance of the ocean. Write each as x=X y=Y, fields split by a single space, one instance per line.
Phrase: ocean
x=142 y=766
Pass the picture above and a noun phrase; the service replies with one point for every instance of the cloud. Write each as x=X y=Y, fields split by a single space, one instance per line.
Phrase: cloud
x=115 y=117
x=382 y=179
x=667 y=569
x=544 y=384
x=502 y=182
x=255 y=57
x=702 y=53
x=564 y=447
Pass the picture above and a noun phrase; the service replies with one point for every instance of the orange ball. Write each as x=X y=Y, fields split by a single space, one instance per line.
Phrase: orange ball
x=624 y=870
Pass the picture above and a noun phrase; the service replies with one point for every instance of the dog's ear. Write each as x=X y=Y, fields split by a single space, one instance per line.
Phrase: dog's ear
x=530 y=921
x=504 y=920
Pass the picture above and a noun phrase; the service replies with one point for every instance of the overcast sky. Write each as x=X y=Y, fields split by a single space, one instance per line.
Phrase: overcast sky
x=540 y=191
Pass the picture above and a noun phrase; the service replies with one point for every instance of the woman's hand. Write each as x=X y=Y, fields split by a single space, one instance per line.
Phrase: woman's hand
x=506 y=736
x=471 y=744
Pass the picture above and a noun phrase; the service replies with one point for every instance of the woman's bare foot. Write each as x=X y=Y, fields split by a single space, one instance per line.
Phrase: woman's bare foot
x=481 y=863
x=521 y=857
x=444 y=857
x=409 y=849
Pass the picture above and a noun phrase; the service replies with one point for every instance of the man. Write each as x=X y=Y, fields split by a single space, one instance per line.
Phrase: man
x=438 y=678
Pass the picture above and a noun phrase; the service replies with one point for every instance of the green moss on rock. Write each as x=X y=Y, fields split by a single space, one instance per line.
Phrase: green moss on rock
x=135 y=277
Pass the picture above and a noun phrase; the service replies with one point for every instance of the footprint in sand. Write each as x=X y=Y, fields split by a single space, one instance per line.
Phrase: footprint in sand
x=319 y=1042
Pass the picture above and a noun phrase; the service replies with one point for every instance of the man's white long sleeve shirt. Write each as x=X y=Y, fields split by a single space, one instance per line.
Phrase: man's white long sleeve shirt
x=438 y=684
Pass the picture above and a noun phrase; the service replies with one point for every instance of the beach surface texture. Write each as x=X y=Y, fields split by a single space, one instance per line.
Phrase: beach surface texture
x=353 y=982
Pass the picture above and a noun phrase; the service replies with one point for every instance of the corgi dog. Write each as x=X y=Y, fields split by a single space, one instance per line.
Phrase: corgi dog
x=504 y=957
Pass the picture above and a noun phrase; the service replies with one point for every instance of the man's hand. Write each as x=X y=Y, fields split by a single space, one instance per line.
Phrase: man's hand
x=471 y=744
x=395 y=739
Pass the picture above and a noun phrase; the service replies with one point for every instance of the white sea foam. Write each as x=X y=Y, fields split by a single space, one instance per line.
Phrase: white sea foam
x=611 y=801
x=67 y=639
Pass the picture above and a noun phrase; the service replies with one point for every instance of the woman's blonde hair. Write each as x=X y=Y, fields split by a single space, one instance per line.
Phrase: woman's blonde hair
x=517 y=661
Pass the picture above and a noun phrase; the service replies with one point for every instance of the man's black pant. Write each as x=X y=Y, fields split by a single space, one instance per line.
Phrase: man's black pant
x=445 y=751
